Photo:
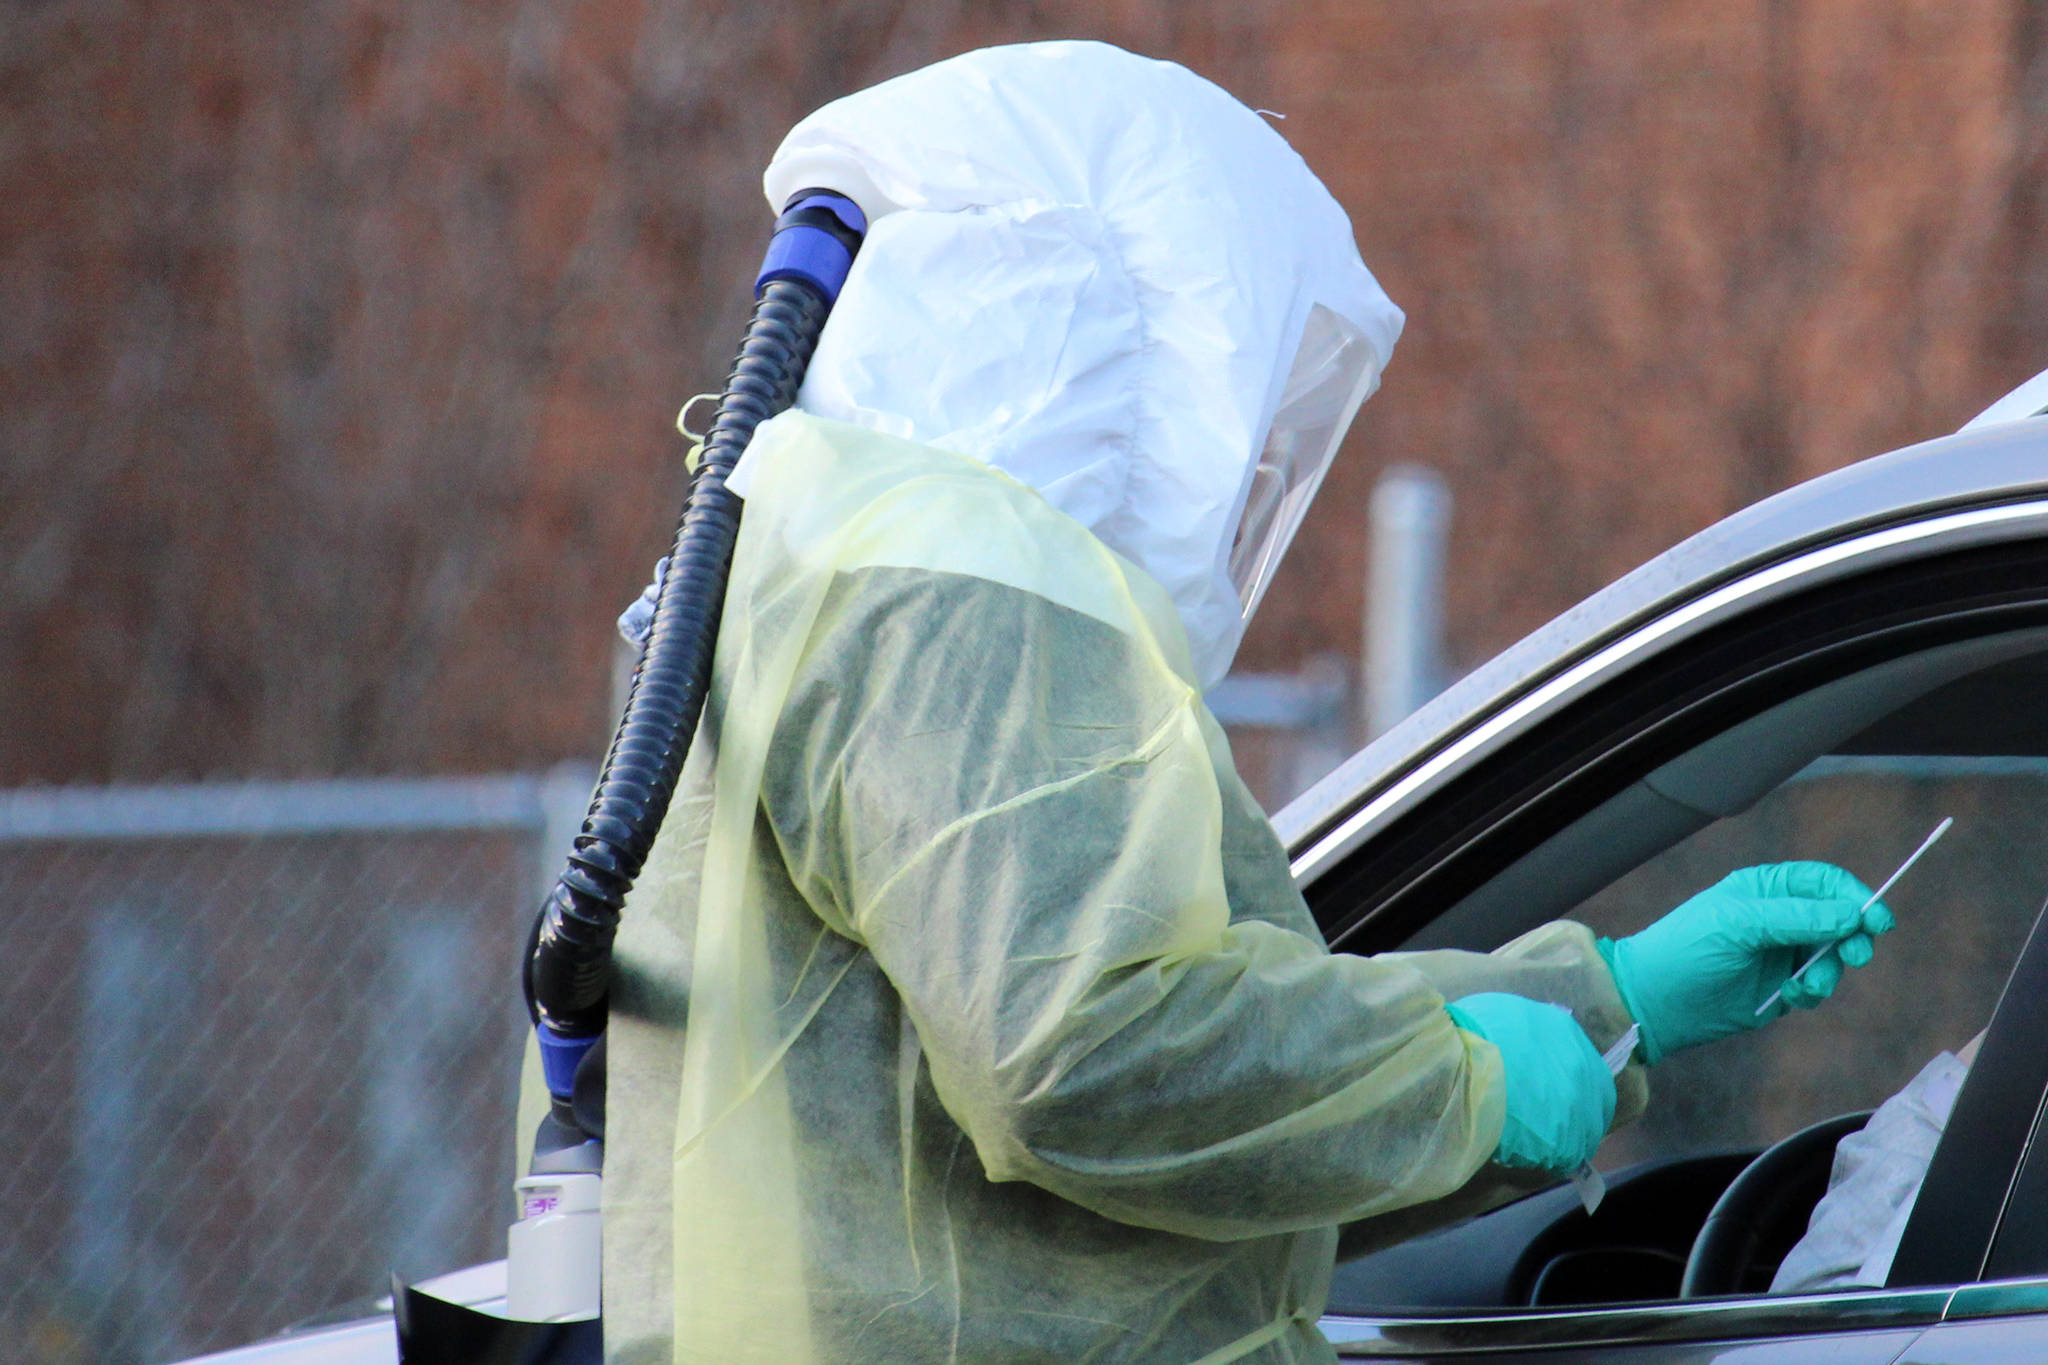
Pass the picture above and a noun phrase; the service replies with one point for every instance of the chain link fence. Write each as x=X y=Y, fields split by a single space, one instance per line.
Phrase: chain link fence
x=264 y=1048
x=265 y=1039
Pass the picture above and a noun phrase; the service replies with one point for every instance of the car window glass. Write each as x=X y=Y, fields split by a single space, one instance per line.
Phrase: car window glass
x=1962 y=913
x=1856 y=770
x=1975 y=750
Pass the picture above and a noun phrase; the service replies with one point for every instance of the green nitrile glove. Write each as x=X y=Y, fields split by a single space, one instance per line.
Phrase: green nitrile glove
x=1560 y=1098
x=1700 y=972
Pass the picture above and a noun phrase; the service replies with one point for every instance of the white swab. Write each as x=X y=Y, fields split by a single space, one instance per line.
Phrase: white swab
x=1591 y=1185
x=1875 y=897
x=1624 y=1047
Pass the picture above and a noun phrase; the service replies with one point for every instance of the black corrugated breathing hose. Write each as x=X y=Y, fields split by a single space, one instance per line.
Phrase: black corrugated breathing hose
x=568 y=970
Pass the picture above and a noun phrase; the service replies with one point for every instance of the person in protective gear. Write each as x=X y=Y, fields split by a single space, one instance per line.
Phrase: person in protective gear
x=966 y=1009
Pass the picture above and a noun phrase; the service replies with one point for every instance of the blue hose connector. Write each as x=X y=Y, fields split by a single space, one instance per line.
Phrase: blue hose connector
x=559 y=1057
x=815 y=241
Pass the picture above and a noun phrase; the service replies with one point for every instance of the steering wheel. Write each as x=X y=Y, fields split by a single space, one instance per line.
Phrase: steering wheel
x=1763 y=1212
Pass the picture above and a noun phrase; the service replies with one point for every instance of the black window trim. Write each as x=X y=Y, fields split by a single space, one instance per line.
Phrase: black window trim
x=1416 y=858
x=1338 y=836
x=1413 y=1335
x=1422 y=1335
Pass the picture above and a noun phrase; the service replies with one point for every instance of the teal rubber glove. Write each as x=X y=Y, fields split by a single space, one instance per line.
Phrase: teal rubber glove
x=1700 y=972
x=1560 y=1098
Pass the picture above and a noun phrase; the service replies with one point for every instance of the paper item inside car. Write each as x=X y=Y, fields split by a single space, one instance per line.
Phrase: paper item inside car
x=1591 y=1185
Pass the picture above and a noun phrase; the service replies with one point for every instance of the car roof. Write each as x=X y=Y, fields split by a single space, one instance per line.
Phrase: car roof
x=1978 y=466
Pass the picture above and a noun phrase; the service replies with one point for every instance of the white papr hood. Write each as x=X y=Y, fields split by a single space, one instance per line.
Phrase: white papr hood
x=1093 y=271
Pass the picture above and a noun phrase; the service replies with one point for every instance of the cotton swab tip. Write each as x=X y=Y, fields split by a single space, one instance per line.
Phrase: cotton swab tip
x=1889 y=882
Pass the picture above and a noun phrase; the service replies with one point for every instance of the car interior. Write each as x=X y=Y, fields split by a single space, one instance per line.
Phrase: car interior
x=1709 y=1191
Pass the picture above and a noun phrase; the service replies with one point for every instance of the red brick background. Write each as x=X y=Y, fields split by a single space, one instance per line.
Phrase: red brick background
x=339 y=345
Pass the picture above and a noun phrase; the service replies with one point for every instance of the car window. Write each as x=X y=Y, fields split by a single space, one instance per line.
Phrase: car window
x=1963 y=912
x=1855 y=769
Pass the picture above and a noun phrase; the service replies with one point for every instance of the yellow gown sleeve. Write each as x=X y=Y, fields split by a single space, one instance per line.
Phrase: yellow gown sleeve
x=1015 y=809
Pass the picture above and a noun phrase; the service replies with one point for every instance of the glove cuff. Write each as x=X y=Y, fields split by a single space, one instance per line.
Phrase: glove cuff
x=1557 y=1099
x=1613 y=953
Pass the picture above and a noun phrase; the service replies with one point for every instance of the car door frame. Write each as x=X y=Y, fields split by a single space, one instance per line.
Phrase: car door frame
x=1479 y=1332
x=1450 y=1334
x=1441 y=812
x=1437 y=813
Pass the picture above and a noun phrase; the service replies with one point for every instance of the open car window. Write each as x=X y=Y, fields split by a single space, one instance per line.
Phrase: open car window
x=1856 y=770
x=1962 y=913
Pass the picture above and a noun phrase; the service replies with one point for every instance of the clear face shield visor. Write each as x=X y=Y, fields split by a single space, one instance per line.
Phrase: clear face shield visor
x=1332 y=372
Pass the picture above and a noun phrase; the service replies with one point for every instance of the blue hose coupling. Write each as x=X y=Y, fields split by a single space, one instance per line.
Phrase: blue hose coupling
x=559 y=1057
x=815 y=241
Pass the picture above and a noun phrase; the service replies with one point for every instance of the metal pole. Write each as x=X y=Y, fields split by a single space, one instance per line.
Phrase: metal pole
x=1404 y=603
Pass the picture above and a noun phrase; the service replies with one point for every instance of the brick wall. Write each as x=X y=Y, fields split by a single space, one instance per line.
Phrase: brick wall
x=339 y=344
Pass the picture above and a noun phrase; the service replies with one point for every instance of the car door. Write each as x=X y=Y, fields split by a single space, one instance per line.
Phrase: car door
x=1824 y=678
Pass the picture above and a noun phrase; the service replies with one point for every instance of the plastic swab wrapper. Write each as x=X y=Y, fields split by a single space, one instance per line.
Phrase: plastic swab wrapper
x=1591 y=1185
x=1875 y=897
